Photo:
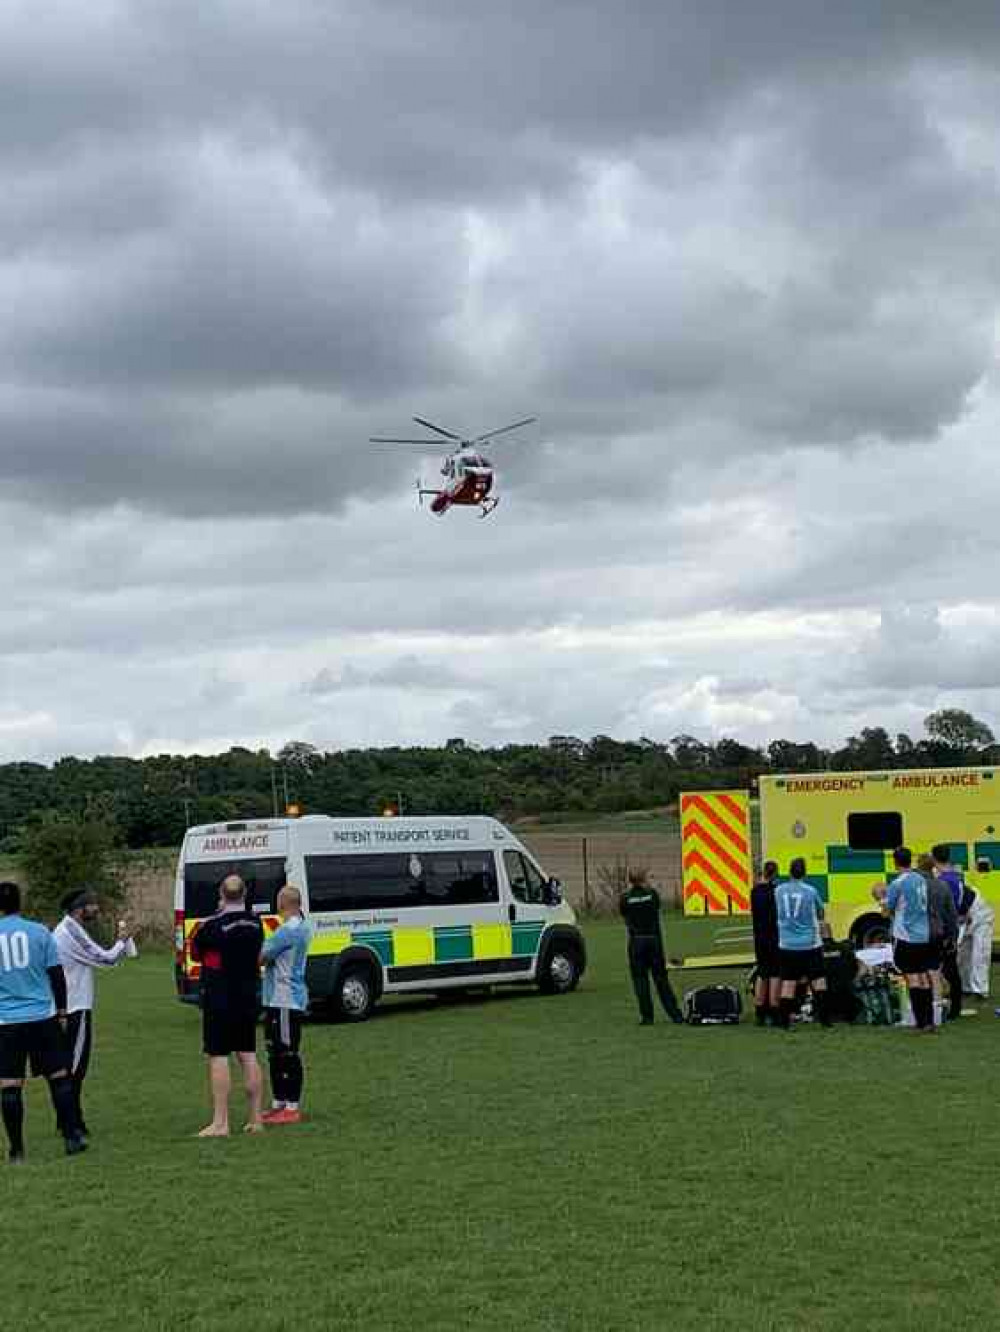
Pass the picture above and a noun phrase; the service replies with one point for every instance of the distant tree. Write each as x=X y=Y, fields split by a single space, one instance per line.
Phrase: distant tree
x=690 y=752
x=299 y=756
x=569 y=745
x=731 y=754
x=906 y=750
x=788 y=756
x=60 y=852
x=957 y=729
x=872 y=749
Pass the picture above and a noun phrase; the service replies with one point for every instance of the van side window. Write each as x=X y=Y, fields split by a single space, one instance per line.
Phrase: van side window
x=526 y=883
x=401 y=880
x=875 y=832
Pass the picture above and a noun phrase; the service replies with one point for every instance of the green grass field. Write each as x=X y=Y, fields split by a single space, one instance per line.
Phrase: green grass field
x=520 y=1162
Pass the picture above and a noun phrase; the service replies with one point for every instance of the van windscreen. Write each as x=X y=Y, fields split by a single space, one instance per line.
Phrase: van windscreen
x=263 y=879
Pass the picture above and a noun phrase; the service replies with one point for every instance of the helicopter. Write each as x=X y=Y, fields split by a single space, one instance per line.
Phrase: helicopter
x=468 y=473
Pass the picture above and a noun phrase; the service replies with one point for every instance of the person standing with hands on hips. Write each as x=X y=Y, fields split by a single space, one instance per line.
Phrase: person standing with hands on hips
x=640 y=907
x=285 y=1001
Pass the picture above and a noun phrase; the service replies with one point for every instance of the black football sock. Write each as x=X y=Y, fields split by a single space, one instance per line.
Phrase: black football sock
x=294 y=1079
x=12 y=1102
x=761 y=1014
x=821 y=1003
x=922 y=1003
x=64 y=1104
x=785 y=1010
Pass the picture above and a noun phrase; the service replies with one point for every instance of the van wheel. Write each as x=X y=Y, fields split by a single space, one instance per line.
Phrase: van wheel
x=870 y=932
x=560 y=970
x=354 y=994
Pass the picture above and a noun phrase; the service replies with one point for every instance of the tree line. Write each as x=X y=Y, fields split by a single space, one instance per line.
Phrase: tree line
x=151 y=801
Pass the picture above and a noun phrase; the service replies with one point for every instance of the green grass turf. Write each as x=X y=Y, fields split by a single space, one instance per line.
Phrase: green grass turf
x=520 y=1162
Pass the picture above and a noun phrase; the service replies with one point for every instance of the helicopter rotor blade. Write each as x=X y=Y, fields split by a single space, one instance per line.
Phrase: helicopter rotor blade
x=492 y=434
x=431 y=445
x=440 y=429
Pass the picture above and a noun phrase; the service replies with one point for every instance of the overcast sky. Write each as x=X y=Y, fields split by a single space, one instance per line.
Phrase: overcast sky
x=742 y=260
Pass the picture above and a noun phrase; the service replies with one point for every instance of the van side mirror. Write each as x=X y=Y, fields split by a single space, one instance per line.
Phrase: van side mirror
x=553 y=892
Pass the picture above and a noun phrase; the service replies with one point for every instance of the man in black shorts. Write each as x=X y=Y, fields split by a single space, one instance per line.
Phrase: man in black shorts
x=32 y=1015
x=764 y=913
x=228 y=947
x=800 y=911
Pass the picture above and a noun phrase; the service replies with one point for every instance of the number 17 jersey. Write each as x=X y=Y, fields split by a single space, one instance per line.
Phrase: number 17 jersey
x=27 y=950
x=799 y=906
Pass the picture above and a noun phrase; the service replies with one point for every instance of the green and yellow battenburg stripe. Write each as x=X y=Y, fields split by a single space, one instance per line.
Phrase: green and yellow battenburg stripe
x=417 y=945
x=413 y=945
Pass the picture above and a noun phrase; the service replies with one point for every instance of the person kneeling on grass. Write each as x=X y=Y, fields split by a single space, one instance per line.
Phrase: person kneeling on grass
x=286 y=1000
x=228 y=947
x=800 y=945
x=906 y=899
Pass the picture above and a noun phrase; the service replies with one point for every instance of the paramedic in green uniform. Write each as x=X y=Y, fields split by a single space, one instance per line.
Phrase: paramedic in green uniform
x=640 y=907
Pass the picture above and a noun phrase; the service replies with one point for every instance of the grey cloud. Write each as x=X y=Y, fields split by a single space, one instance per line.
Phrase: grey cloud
x=815 y=270
x=409 y=672
x=741 y=260
x=913 y=648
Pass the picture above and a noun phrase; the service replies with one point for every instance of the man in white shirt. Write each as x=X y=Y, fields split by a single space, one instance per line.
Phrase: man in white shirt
x=80 y=957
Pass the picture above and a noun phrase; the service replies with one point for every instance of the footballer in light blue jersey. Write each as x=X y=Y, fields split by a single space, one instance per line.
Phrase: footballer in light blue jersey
x=285 y=965
x=799 y=909
x=27 y=951
x=799 y=912
x=907 y=900
x=286 y=1000
x=32 y=999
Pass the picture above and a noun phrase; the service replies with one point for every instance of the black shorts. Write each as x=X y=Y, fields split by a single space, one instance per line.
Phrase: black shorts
x=769 y=964
x=801 y=964
x=911 y=958
x=935 y=955
x=227 y=1031
x=40 y=1045
x=283 y=1031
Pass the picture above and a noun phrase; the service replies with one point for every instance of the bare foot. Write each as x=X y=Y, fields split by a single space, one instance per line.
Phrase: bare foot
x=215 y=1131
x=255 y=1126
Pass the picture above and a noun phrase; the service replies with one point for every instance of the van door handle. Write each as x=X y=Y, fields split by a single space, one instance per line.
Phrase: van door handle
x=512 y=913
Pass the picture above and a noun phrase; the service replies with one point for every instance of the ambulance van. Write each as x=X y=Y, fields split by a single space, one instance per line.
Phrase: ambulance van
x=398 y=906
x=846 y=825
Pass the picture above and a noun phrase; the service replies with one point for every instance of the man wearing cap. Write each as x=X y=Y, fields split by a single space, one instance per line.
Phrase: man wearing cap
x=80 y=956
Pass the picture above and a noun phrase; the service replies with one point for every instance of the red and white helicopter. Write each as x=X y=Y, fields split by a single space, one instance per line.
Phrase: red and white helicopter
x=468 y=473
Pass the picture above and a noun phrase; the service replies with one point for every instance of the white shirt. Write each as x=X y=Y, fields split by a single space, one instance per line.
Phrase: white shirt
x=80 y=955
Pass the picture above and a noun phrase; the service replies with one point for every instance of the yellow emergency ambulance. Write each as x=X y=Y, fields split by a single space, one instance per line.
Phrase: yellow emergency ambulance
x=397 y=905
x=846 y=825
